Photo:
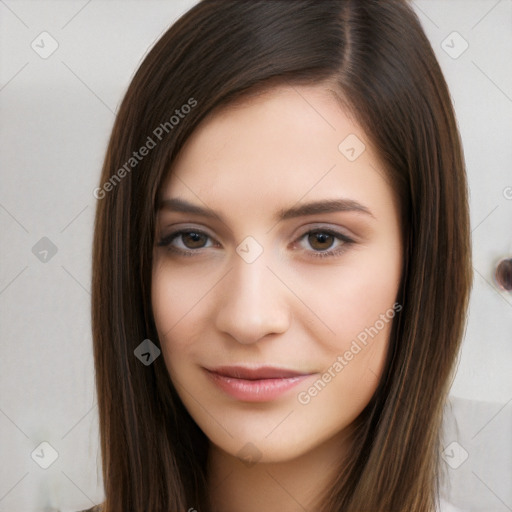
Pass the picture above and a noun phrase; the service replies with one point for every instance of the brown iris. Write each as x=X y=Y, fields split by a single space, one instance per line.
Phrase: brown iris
x=193 y=240
x=320 y=241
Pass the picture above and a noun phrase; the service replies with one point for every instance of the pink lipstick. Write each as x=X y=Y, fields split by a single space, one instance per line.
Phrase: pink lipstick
x=259 y=384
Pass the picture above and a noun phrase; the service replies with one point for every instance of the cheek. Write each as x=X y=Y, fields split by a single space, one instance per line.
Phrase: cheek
x=367 y=301
x=363 y=310
x=179 y=302
x=177 y=296
x=352 y=370
x=353 y=297
x=171 y=302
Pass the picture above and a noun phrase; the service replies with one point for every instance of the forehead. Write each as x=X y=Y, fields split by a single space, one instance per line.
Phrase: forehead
x=287 y=144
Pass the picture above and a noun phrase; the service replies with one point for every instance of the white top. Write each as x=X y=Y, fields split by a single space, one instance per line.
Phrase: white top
x=445 y=506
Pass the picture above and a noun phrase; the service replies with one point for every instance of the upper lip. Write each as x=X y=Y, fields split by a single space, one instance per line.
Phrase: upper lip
x=255 y=373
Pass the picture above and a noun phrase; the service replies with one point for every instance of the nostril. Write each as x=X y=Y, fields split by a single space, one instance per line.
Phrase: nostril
x=503 y=274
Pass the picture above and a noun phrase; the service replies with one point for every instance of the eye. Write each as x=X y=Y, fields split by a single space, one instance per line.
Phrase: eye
x=186 y=241
x=325 y=242
x=321 y=242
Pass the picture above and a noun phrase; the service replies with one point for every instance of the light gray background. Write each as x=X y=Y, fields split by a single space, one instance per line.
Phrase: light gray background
x=56 y=116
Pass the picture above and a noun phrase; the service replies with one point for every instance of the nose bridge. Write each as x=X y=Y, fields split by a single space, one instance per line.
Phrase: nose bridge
x=254 y=302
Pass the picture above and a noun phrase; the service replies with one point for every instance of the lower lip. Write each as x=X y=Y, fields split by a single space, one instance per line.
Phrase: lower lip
x=263 y=390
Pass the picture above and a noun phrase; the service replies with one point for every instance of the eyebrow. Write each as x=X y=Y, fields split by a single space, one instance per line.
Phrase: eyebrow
x=303 y=210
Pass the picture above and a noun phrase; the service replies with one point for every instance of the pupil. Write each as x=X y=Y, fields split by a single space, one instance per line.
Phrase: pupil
x=318 y=240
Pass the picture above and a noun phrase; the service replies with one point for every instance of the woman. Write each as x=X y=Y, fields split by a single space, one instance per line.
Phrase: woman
x=281 y=264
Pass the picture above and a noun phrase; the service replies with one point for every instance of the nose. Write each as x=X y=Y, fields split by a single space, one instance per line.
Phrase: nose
x=253 y=303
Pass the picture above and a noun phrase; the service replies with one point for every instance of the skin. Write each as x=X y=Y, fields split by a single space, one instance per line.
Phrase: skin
x=287 y=308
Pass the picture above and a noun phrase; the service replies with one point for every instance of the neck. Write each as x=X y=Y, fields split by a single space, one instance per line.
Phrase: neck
x=287 y=486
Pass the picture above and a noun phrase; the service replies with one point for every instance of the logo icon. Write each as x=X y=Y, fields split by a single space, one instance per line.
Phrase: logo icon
x=44 y=250
x=249 y=249
x=147 y=352
x=454 y=455
x=249 y=455
x=454 y=45
x=352 y=147
x=44 y=45
x=44 y=455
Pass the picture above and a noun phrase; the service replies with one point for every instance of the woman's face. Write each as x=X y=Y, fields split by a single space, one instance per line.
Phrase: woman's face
x=275 y=276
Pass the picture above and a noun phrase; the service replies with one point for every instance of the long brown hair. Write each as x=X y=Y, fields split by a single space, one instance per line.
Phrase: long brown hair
x=384 y=70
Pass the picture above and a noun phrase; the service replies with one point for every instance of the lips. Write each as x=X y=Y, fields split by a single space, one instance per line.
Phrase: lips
x=262 y=372
x=261 y=384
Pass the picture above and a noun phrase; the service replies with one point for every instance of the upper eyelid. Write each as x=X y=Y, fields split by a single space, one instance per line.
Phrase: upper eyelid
x=168 y=233
x=309 y=227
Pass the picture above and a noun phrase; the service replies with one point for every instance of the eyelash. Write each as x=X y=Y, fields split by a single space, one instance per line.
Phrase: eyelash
x=166 y=242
